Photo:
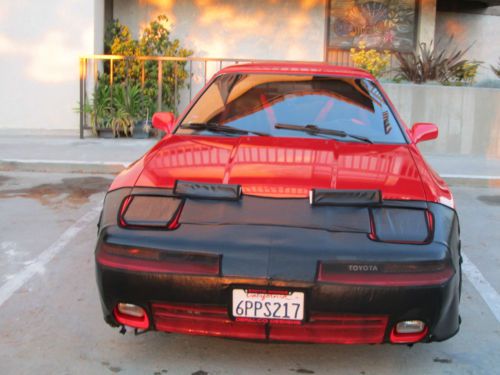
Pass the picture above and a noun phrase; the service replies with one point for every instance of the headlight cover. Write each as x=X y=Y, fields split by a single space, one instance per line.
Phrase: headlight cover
x=401 y=225
x=150 y=211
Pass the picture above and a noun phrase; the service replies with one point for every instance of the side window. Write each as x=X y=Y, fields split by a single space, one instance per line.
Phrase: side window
x=381 y=108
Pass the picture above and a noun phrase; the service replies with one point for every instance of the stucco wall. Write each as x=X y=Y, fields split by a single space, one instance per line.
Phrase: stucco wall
x=40 y=42
x=479 y=30
x=265 y=29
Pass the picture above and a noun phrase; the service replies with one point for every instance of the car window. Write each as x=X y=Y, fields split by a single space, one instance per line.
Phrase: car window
x=256 y=102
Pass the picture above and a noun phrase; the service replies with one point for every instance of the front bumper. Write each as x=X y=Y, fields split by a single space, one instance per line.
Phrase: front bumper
x=336 y=313
x=284 y=257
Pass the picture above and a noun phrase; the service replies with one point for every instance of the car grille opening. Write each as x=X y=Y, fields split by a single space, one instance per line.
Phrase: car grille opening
x=321 y=327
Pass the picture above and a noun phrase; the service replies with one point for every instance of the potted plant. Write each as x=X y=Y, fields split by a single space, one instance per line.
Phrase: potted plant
x=127 y=109
x=142 y=128
x=99 y=109
x=126 y=106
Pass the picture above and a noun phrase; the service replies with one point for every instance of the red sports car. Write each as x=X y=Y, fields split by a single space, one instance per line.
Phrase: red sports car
x=289 y=202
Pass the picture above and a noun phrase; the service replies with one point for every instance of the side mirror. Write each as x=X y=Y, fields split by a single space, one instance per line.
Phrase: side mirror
x=424 y=131
x=164 y=121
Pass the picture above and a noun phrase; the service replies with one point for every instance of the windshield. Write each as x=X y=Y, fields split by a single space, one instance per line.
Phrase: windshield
x=258 y=102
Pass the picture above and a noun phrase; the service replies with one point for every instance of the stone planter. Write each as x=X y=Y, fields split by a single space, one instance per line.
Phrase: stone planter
x=467 y=117
x=141 y=131
x=104 y=133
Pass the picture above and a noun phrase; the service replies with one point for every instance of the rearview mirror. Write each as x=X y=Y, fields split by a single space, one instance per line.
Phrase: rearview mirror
x=164 y=121
x=424 y=131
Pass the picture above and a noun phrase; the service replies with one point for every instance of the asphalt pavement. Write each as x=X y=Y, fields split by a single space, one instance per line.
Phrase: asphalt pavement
x=51 y=322
x=51 y=191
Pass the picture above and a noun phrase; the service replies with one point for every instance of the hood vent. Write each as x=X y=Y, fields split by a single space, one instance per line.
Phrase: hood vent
x=203 y=190
x=330 y=197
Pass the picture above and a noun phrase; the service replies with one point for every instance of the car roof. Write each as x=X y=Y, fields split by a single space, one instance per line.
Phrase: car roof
x=305 y=68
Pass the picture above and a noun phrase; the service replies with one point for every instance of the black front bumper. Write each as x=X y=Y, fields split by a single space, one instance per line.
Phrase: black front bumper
x=281 y=256
x=292 y=263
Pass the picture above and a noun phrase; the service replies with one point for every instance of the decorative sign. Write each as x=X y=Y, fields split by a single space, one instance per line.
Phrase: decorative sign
x=380 y=24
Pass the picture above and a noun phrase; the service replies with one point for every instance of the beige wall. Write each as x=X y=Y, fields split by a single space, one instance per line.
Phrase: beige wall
x=265 y=29
x=468 y=117
x=40 y=42
x=482 y=31
x=426 y=21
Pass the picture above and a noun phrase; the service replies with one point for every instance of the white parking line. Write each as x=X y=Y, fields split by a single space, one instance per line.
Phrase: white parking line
x=38 y=264
x=484 y=288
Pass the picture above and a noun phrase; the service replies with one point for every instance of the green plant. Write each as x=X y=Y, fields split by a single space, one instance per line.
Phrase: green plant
x=465 y=73
x=429 y=64
x=99 y=108
x=128 y=107
x=496 y=69
x=131 y=98
x=154 y=41
x=371 y=60
x=123 y=44
x=113 y=31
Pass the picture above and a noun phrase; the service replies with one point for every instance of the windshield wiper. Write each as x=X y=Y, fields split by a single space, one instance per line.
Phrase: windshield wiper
x=216 y=128
x=313 y=129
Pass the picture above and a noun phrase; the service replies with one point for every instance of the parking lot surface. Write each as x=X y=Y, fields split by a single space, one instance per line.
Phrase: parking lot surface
x=51 y=323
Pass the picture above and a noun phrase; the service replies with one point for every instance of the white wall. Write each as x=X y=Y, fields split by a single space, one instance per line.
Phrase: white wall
x=261 y=29
x=40 y=42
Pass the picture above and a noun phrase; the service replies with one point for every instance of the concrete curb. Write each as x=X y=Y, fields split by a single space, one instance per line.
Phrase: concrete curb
x=64 y=166
x=115 y=167
x=471 y=180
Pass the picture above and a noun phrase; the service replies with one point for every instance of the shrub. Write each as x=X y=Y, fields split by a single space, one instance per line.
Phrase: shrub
x=155 y=41
x=129 y=99
x=429 y=64
x=465 y=73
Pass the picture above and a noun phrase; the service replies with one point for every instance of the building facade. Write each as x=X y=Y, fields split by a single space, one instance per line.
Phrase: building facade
x=40 y=42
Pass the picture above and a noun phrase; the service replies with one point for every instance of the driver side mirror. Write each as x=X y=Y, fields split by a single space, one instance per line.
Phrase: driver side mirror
x=424 y=131
x=164 y=121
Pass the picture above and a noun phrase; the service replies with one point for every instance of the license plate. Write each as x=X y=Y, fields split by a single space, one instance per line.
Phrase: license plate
x=264 y=305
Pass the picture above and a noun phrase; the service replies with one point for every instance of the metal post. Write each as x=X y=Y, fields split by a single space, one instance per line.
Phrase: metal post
x=81 y=98
x=85 y=66
x=190 y=79
x=175 y=87
x=143 y=74
x=160 y=86
x=111 y=72
x=205 y=73
x=95 y=71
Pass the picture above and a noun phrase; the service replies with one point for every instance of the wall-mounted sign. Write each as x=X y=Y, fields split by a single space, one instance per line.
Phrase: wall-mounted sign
x=380 y=24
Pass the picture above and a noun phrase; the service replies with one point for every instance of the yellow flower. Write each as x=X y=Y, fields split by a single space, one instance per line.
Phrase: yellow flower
x=371 y=60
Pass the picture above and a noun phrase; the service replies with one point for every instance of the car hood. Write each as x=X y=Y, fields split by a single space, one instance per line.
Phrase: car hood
x=283 y=167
